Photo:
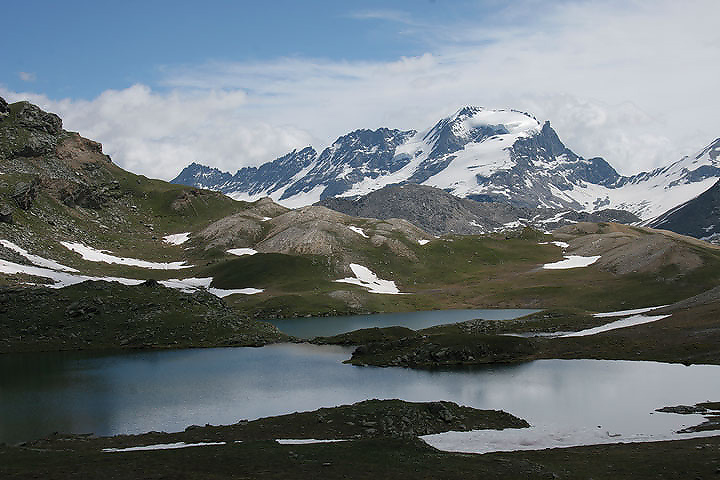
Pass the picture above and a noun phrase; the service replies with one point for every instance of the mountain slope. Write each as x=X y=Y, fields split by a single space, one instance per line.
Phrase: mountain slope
x=489 y=155
x=699 y=217
x=82 y=227
x=440 y=213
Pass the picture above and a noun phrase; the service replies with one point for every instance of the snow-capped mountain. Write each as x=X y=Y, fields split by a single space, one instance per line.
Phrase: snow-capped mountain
x=699 y=217
x=477 y=153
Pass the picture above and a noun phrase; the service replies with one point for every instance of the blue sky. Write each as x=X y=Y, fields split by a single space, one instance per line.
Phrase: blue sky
x=78 y=49
x=230 y=84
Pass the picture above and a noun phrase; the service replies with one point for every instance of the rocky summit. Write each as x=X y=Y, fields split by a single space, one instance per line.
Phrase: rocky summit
x=500 y=156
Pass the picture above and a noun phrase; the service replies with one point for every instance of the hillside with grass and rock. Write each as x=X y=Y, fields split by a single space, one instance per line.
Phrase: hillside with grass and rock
x=203 y=269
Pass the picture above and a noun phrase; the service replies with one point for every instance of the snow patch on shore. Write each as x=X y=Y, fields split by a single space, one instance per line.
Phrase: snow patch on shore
x=623 y=313
x=625 y=322
x=95 y=255
x=162 y=446
x=364 y=277
x=571 y=261
x=304 y=441
x=540 y=438
x=423 y=242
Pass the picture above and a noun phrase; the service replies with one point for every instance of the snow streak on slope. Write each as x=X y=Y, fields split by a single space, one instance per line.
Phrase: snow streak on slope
x=650 y=194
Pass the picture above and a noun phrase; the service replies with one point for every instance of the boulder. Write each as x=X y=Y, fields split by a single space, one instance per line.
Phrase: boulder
x=25 y=194
x=6 y=213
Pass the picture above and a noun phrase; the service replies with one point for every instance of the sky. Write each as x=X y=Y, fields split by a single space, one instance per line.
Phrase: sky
x=235 y=83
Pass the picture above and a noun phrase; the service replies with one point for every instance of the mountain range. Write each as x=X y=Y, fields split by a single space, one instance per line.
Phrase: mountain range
x=499 y=156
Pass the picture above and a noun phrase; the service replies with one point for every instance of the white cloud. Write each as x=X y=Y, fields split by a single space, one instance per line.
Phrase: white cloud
x=634 y=82
x=27 y=76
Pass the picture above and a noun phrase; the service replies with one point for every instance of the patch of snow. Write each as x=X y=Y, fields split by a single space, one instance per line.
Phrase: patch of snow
x=190 y=285
x=555 y=218
x=540 y=438
x=162 y=446
x=64 y=279
x=572 y=261
x=366 y=278
x=557 y=244
x=219 y=292
x=266 y=219
x=358 y=230
x=94 y=255
x=423 y=242
x=241 y=251
x=623 y=313
x=304 y=441
x=60 y=279
x=625 y=322
x=35 y=259
x=177 y=238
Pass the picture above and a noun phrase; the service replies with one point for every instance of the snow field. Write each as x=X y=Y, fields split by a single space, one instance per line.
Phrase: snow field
x=625 y=322
x=364 y=277
x=358 y=230
x=62 y=277
x=304 y=441
x=95 y=255
x=622 y=313
x=241 y=251
x=177 y=238
x=162 y=446
x=571 y=261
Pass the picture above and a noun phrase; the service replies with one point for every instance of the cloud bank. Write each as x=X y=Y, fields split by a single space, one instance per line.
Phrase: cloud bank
x=634 y=82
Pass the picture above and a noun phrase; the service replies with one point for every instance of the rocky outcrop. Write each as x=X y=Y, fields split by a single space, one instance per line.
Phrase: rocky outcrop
x=6 y=213
x=625 y=250
x=4 y=108
x=102 y=315
x=25 y=193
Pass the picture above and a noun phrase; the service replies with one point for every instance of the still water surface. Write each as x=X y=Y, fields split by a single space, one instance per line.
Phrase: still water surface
x=327 y=326
x=169 y=390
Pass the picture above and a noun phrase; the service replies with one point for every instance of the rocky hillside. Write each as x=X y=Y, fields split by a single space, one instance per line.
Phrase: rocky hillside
x=74 y=219
x=503 y=156
x=439 y=212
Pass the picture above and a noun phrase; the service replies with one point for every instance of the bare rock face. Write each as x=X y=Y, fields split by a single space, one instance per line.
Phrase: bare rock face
x=25 y=194
x=4 y=108
x=318 y=230
x=32 y=117
x=6 y=213
x=626 y=249
x=265 y=207
x=309 y=231
x=235 y=231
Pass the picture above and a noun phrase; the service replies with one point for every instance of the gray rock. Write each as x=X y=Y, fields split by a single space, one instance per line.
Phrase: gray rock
x=6 y=213
x=25 y=194
x=4 y=108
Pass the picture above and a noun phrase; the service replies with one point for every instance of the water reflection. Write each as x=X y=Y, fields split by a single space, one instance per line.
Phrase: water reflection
x=168 y=390
x=327 y=326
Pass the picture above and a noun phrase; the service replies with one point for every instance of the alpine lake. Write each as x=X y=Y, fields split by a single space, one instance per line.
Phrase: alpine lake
x=567 y=402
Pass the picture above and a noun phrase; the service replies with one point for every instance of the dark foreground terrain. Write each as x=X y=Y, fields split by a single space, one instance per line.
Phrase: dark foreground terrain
x=381 y=442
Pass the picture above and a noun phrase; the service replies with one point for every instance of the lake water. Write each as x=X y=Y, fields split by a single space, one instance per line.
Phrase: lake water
x=327 y=326
x=566 y=401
